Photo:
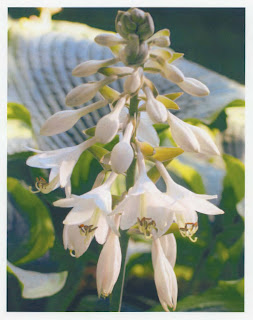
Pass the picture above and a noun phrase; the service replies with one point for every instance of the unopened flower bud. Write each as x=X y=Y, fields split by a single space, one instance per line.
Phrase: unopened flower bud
x=133 y=82
x=165 y=278
x=134 y=52
x=64 y=120
x=172 y=73
x=194 y=87
x=155 y=109
x=86 y=91
x=122 y=154
x=109 y=264
x=88 y=68
x=146 y=29
x=108 y=126
x=109 y=40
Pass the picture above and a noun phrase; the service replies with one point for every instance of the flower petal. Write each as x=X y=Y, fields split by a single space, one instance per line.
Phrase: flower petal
x=169 y=246
x=146 y=132
x=81 y=212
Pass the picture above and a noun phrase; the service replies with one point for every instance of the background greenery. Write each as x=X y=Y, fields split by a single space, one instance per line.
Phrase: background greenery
x=210 y=272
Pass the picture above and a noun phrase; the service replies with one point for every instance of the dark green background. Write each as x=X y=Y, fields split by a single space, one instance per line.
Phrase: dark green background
x=212 y=37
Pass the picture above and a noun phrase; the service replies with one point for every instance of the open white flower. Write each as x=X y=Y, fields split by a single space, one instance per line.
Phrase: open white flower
x=109 y=264
x=187 y=203
x=77 y=237
x=61 y=162
x=85 y=205
x=165 y=278
x=191 y=138
x=146 y=205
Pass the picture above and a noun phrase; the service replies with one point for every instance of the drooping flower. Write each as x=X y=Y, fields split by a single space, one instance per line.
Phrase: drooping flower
x=191 y=138
x=145 y=205
x=77 y=237
x=187 y=204
x=61 y=162
x=84 y=205
x=165 y=278
x=109 y=264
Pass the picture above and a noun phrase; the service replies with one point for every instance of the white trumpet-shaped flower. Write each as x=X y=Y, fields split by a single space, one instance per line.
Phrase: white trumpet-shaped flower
x=155 y=109
x=85 y=205
x=145 y=205
x=164 y=275
x=187 y=203
x=194 y=87
x=61 y=162
x=86 y=91
x=109 y=264
x=191 y=138
x=122 y=154
x=108 y=126
x=77 y=237
x=64 y=120
x=90 y=67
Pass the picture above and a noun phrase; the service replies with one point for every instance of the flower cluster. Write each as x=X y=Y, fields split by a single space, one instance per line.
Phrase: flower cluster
x=133 y=112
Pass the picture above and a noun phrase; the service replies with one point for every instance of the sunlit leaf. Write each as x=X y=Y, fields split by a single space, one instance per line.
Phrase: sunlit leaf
x=37 y=285
x=41 y=227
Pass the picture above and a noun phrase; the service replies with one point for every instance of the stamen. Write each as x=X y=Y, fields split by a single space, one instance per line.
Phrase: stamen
x=189 y=230
x=146 y=226
x=43 y=186
x=85 y=230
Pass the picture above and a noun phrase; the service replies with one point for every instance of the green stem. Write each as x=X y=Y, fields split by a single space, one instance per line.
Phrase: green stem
x=117 y=294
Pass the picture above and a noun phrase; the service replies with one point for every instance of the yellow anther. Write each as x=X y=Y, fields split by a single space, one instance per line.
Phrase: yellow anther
x=43 y=186
x=189 y=230
x=146 y=226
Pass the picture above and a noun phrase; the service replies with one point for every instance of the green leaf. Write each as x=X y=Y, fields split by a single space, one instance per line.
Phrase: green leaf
x=189 y=175
x=219 y=118
x=19 y=112
x=227 y=296
x=81 y=170
x=235 y=176
x=37 y=285
x=41 y=227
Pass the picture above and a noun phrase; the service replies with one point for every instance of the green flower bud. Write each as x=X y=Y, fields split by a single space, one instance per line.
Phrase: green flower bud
x=134 y=52
x=134 y=21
